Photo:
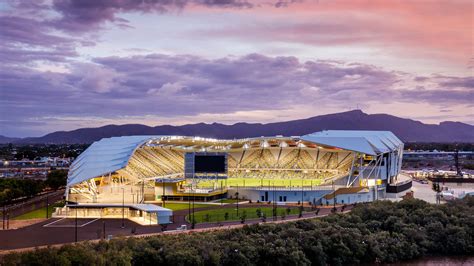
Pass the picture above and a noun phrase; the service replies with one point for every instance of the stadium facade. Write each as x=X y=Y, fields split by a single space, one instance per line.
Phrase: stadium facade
x=136 y=172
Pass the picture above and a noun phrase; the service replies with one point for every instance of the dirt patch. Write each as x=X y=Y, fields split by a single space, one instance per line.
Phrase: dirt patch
x=15 y=224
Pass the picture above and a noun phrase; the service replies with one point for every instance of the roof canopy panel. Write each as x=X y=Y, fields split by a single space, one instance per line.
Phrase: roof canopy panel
x=103 y=157
x=357 y=140
x=357 y=144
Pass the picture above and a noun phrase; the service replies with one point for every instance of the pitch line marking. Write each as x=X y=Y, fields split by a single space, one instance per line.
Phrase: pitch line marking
x=51 y=223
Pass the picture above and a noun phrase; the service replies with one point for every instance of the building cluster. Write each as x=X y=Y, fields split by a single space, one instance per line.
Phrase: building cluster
x=34 y=169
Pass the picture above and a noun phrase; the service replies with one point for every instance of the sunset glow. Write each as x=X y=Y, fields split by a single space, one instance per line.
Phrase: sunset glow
x=68 y=64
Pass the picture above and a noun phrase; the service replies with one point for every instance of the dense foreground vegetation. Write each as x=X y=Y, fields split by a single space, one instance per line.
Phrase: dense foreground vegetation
x=378 y=232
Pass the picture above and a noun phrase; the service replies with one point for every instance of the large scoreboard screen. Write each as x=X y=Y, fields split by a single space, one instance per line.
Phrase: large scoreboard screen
x=210 y=164
x=205 y=164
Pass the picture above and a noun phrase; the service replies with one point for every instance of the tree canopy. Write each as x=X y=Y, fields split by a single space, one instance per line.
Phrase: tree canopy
x=56 y=179
x=16 y=188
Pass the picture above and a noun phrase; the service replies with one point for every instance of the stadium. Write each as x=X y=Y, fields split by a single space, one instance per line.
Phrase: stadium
x=138 y=173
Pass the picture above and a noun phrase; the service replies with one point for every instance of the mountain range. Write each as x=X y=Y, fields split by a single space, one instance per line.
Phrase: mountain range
x=406 y=129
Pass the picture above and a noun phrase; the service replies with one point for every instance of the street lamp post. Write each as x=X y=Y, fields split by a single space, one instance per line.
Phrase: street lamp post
x=47 y=206
x=103 y=228
x=274 y=203
x=237 y=200
x=75 y=228
x=123 y=208
x=189 y=204
x=194 y=199
x=302 y=183
x=334 y=193
x=222 y=194
x=3 y=215
x=163 y=196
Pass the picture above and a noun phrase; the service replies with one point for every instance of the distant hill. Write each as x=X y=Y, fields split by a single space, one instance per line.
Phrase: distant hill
x=406 y=129
x=4 y=139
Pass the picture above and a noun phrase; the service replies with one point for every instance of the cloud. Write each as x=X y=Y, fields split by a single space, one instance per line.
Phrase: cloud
x=457 y=82
x=433 y=31
x=168 y=89
x=176 y=86
x=85 y=15
x=27 y=37
x=92 y=77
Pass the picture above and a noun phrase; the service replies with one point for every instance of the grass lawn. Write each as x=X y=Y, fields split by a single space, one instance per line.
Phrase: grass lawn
x=218 y=215
x=39 y=213
x=257 y=182
x=183 y=206
x=228 y=200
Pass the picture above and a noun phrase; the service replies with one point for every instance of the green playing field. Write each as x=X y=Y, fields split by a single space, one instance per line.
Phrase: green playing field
x=254 y=182
x=176 y=206
x=39 y=213
x=219 y=215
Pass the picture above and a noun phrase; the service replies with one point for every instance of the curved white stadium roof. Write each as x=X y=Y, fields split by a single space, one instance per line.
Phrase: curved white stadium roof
x=368 y=142
x=112 y=154
x=104 y=156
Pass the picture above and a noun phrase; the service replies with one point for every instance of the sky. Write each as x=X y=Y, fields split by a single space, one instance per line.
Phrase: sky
x=67 y=64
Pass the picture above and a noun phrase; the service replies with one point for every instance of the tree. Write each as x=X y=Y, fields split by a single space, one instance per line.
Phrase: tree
x=193 y=222
x=243 y=216
x=56 y=179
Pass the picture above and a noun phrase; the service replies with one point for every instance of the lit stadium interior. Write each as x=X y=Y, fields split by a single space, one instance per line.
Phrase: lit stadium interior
x=261 y=162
